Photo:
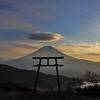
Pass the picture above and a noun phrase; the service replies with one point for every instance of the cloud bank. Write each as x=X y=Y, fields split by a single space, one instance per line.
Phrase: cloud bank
x=94 y=54
x=44 y=36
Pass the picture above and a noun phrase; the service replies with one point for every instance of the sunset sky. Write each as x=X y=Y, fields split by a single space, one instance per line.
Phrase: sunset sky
x=71 y=26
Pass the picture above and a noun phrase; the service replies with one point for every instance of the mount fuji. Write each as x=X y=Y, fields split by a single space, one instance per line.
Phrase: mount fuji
x=71 y=66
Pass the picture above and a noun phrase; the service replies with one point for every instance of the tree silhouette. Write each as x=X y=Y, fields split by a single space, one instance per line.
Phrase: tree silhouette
x=91 y=77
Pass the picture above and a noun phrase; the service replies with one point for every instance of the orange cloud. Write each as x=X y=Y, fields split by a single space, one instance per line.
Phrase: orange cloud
x=15 y=49
x=82 y=51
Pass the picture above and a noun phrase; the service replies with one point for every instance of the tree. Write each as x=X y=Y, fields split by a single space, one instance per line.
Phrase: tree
x=91 y=77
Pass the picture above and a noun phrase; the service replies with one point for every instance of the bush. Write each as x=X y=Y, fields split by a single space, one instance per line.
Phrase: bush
x=12 y=87
x=91 y=91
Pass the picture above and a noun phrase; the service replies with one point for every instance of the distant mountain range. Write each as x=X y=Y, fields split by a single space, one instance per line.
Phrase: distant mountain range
x=2 y=60
x=71 y=66
x=26 y=78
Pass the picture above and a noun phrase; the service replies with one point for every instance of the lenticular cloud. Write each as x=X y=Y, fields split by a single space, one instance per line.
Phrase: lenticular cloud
x=44 y=36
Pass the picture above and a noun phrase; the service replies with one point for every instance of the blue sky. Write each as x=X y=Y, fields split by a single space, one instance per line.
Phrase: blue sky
x=75 y=19
x=69 y=23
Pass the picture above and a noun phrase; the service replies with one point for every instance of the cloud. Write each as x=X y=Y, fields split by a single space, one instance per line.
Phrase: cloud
x=25 y=45
x=81 y=50
x=65 y=50
x=44 y=36
x=73 y=49
x=13 y=20
x=33 y=8
x=22 y=49
x=94 y=54
x=16 y=49
x=18 y=16
x=1 y=59
x=79 y=45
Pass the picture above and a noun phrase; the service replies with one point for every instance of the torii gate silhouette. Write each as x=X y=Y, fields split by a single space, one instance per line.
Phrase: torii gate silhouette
x=56 y=65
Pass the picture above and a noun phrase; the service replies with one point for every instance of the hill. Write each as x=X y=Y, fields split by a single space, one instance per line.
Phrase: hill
x=9 y=74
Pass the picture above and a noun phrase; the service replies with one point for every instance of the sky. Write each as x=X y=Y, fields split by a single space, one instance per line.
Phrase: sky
x=71 y=26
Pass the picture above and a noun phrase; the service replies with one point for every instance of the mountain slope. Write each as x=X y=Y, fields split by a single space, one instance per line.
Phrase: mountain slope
x=26 y=78
x=71 y=66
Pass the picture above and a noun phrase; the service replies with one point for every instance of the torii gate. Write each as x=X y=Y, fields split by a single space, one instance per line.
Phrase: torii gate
x=56 y=64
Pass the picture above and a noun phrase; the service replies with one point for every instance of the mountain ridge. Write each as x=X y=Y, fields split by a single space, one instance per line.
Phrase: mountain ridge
x=9 y=74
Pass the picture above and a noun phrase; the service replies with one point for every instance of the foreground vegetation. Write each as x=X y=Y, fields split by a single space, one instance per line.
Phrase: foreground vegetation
x=14 y=86
x=43 y=96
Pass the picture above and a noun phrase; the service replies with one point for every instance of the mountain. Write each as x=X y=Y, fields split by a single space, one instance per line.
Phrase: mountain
x=2 y=60
x=26 y=78
x=71 y=66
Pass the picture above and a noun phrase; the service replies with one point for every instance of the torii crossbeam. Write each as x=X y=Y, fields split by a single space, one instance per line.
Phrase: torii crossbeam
x=56 y=65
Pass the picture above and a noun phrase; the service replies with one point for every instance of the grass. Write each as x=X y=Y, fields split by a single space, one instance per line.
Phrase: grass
x=43 y=96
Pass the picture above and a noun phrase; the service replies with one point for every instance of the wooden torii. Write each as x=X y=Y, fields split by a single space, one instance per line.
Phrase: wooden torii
x=56 y=65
